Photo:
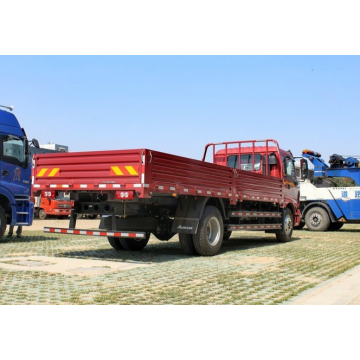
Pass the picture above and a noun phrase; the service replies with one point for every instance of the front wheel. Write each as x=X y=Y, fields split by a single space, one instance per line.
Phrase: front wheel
x=42 y=214
x=317 y=219
x=134 y=244
x=284 y=235
x=209 y=237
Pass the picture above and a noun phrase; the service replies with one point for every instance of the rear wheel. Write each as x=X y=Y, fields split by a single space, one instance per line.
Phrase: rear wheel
x=209 y=237
x=134 y=244
x=284 y=235
x=42 y=214
x=335 y=226
x=115 y=243
x=317 y=219
x=187 y=244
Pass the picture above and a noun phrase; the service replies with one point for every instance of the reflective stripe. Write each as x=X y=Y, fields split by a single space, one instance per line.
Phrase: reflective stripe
x=54 y=172
x=131 y=170
x=42 y=172
x=116 y=170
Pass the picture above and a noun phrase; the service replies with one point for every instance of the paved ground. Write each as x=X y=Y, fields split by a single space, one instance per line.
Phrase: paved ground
x=252 y=268
x=342 y=290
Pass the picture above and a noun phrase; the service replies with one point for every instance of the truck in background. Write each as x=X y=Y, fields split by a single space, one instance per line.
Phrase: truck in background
x=51 y=203
x=16 y=209
x=332 y=197
x=245 y=185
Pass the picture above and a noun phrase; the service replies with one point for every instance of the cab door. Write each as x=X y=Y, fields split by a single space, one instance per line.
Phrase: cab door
x=290 y=184
x=15 y=174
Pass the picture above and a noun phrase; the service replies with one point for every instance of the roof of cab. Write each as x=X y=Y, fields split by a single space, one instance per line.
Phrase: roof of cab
x=9 y=124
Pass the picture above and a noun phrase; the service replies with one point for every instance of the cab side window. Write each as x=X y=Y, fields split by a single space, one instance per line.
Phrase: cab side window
x=12 y=150
x=246 y=162
x=289 y=168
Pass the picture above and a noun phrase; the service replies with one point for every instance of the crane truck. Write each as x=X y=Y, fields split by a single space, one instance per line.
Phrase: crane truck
x=15 y=173
x=331 y=196
x=241 y=185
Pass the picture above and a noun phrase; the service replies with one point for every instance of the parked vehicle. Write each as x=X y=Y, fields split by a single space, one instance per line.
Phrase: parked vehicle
x=246 y=185
x=51 y=203
x=332 y=197
x=15 y=167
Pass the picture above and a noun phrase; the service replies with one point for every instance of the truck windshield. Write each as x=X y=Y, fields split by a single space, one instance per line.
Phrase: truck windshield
x=246 y=162
x=14 y=147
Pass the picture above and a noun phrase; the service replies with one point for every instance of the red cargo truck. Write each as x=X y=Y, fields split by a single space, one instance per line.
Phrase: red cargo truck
x=246 y=185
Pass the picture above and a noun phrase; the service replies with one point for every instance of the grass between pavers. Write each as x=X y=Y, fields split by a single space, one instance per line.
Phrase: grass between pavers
x=252 y=268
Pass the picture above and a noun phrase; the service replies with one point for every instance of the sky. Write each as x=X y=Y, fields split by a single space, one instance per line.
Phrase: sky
x=178 y=104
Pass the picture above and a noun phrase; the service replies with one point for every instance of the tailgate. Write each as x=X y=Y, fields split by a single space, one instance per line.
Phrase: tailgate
x=88 y=170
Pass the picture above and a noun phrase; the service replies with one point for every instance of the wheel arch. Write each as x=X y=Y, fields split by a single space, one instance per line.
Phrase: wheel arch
x=218 y=203
x=190 y=210
x=318 y=204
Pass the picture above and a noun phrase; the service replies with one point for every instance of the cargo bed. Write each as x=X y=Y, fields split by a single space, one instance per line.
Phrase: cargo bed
x=150 y=173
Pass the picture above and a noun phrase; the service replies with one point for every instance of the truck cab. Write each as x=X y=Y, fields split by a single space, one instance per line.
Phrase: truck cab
x=15 y=174
x=53 y=203
x=266 y=159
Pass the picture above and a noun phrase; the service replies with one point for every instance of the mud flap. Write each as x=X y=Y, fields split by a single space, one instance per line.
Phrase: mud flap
x=188 y=213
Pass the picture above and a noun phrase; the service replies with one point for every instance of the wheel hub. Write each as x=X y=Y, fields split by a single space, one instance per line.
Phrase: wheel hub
x=315 y=219
x=288 y=225
x=213 y=231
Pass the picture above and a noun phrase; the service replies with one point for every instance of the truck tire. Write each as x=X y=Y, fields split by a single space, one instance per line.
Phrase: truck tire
x=2 y=222
x=42 y=214
x=284 y=235
x=187 y=244
x=209 y=236
x=134 y=244
x=227 y=235
x=317 y=219
x=115 y=243
x=335 y=226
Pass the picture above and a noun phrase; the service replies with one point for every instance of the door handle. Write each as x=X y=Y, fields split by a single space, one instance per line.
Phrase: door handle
x=5 y=172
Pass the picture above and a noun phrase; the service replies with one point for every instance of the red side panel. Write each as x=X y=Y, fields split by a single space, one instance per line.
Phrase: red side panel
x=254 y=186
x=187 y=176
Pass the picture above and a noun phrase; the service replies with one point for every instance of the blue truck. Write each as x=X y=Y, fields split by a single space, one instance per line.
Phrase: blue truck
x=332 y=197
x=15 y=173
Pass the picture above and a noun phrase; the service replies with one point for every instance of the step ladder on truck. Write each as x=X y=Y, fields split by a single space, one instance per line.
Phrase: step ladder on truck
x=240 y=185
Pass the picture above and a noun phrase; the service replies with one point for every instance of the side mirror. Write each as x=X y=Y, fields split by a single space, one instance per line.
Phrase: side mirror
x=272 y=159
x=304 y=169
x=35 y=143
